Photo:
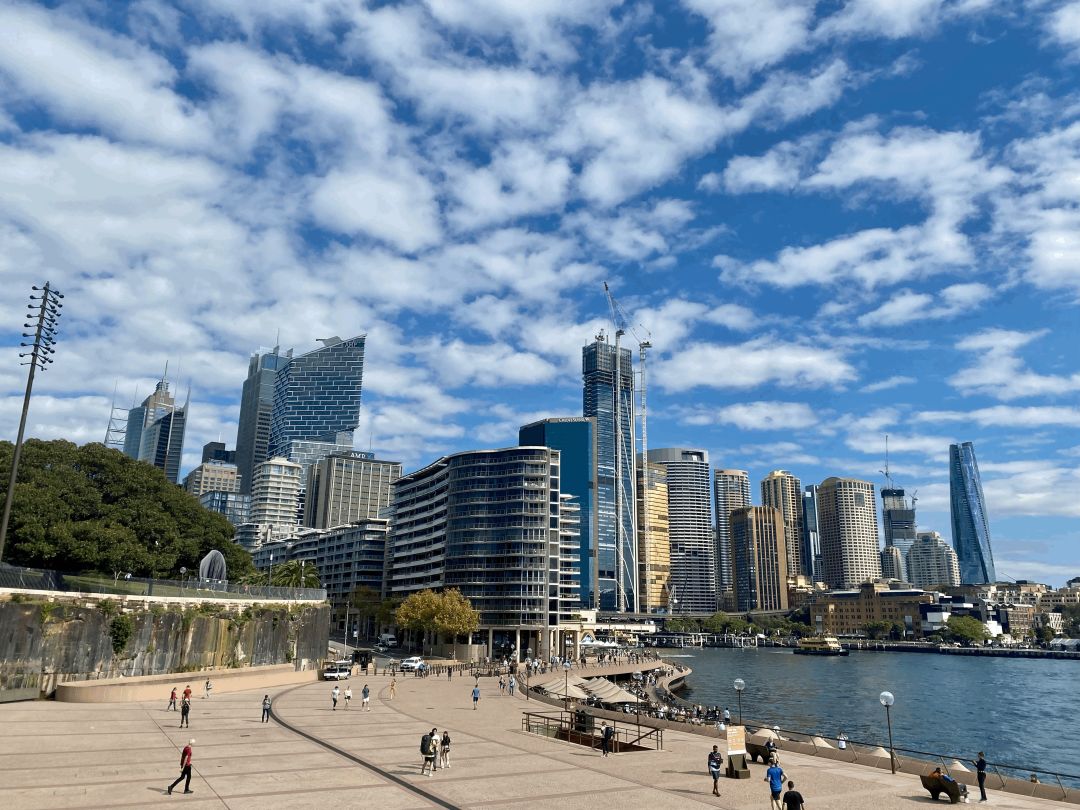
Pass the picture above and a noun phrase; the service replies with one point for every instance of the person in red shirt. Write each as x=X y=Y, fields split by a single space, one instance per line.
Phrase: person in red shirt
x=172 y=700
x=185 y=769
x=187 y=692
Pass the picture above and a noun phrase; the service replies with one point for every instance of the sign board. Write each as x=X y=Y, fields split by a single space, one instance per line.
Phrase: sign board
x=355 y=633
x=736 y=739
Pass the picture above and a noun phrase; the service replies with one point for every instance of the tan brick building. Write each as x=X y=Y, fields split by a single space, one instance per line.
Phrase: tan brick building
x=846 y=613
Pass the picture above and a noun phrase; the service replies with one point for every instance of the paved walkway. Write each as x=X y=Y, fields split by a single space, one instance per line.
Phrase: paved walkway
x=67 y=756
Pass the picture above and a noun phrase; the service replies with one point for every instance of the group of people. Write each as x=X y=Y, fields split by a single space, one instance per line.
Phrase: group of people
x=774 y=775
x=435 y=751
x=365 y=697
x=185 y=705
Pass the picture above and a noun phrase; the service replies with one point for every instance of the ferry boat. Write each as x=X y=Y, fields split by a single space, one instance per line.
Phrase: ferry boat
x=820 y=645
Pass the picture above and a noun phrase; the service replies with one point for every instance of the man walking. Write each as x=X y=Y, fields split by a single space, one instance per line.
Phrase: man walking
x=266 y=709
x=172 y=701
x=716 y=762
x=334 y=696
x=980 y=767
x=793 y=800
x=775 y=777
x=511 y=685
x=475 y=697
x=606 y=734
x=185 y=769
x=427 y=751
x=185 y=710
x=187 y=691
x=727 y=716
x=365 y=698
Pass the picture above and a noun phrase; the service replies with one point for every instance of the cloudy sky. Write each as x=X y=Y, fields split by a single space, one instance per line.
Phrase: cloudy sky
x=837 y=220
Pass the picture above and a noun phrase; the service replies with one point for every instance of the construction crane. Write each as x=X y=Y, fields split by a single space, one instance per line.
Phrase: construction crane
x=622 y=325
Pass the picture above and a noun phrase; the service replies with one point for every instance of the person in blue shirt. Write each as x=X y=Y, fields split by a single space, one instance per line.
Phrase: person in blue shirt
x=775 y=777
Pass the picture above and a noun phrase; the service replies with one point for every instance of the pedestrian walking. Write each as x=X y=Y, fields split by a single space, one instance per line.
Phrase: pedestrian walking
x=172 y=701
x=606 y=734
x=512 y=685
x=334 y=696
x=185 y=711
x=187 y=691
x=393 y=688
x=427 y=751
x=444 y=750
x=502 y=685
x=266 y=709
x=715 y=762
x=185 y=769
x=727 y=716
x=365 y=698
x=793 y=800
x=348 y=697
x=980 y=768
x=775 y=777
x=449 y=673
x=475 y=697
x=208 y=688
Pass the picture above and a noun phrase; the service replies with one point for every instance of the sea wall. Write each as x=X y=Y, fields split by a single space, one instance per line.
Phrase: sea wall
x=47 y=642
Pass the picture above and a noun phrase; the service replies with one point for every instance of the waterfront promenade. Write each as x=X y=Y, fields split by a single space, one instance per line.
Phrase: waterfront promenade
x=67 y=756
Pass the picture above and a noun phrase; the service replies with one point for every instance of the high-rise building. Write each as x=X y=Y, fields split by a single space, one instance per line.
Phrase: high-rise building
x=811 y=537
x=488 y=523
x=898 y=522
x=155 y=431
x=759 y=558
x=931 y=562
x=892 y=564
x=317 y=396
x=731 y=491
x=256 y=412
x=690 y=529
x=575 y=439
x=211 y=476
x=348 y=487
x=654 y=542
x=782 y=490
x=215 y=451
x=233 y=505
x=847 y=519
x=608 y=395
x=970 y=526
x=275 y=496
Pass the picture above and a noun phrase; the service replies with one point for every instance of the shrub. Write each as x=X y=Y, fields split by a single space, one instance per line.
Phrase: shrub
x=121 y=628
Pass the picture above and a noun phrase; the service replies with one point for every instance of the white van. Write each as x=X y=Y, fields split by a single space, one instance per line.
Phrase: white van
x=388 y=640
x=337 y=670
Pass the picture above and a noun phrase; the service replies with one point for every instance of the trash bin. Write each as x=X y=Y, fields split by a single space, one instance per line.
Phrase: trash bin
x=584 y=722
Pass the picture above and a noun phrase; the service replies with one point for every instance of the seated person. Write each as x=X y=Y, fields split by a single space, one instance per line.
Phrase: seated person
x=944 y=777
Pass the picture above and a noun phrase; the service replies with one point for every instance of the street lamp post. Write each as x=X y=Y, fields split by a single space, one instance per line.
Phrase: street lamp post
x=740 y=685
x=887 y=700
x=270 y=570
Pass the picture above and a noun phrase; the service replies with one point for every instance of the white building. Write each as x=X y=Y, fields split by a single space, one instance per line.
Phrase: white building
x=931 y=562
x=275 y=495
x=847 y=520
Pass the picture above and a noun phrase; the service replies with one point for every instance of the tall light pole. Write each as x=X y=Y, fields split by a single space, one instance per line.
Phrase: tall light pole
x=46 y=308
x=270 y=570
x=740 y=685
x=887 y=700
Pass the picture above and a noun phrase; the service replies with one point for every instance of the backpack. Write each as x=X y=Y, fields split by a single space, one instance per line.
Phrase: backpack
x=425 y=744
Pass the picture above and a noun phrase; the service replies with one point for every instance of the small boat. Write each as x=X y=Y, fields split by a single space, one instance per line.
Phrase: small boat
x=820 y=645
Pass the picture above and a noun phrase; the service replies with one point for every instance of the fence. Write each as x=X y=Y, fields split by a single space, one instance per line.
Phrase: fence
x=580 y=727
x=191 y=588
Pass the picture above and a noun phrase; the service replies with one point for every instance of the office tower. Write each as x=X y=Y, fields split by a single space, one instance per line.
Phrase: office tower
x=690 y=529
x=811 y=536
x=931 y=562
x=616 y=551
x=898 y=521
x=892 y=564
x=347 y=487
x=212 y=476
x=564 y=583
x=847 y=520
x=233 y=505
x=256 y=411
x=275 y=496
x=317 y=396
x=759 y=558
x=782 y=490
x=348 y=557
x=488 y=523
x=654 y=543
x=575 y=439
x=970 y=525
x=731 y=491
x=215 y=451
x=155 y=431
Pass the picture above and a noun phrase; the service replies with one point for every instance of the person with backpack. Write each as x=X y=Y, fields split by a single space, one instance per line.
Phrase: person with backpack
x=185 y=710
x=266 y=709
x=606 y=734
x=427 y=751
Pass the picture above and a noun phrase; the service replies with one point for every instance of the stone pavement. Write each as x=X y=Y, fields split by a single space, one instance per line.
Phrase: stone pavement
x=68 y=756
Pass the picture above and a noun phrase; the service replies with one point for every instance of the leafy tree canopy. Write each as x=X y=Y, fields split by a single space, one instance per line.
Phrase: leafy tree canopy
x=292 y=574
x=968 y=629
x=92 y=508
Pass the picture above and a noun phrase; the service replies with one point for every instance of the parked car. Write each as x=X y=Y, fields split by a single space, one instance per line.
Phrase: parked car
x=410 y=664
x=337 y=670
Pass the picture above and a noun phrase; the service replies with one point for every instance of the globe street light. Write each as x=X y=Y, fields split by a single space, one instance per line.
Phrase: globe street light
x=740 y=685
x=887 y=700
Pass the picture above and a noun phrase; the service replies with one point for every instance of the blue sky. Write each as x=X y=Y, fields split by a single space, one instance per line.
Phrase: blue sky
x=837 y=220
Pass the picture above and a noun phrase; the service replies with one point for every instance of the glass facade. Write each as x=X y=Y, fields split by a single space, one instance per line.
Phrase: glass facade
x=155 y=431
x=234 y=506
x=256 y=411
x=731 y=491
x=575 y=439
x=811 y=538
x=898 y=523
x=317 y=396
x=970 y=526
x=616 y=558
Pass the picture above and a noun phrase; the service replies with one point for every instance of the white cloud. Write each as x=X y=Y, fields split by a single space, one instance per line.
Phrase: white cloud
x=999 y=372
x=1063 y=24
x=762 y=415
x=888 y=383
x=636 y=233
x=779 y=168
x=906 y=306
x=1008 y=416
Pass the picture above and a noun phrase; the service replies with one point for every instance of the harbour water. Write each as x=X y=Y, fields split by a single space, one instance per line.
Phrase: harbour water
x=1018 y=711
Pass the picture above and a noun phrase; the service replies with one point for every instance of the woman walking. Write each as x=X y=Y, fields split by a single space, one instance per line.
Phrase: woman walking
x=393 y=688
x=444 y=750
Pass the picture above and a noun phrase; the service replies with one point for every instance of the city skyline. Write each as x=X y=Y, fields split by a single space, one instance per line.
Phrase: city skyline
x=835 y=223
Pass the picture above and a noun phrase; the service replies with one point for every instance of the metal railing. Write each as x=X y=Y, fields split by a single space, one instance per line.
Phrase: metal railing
x=581 y=728
x=35 y=579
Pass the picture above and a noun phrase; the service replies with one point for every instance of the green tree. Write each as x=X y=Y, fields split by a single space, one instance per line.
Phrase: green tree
x=295 y=574
x=456 y=616
x=682 y=625
x=1045 y=634
x=967 y=628
x=365 y=601
x=418 y=611
x=387 y=612
x=715 y=623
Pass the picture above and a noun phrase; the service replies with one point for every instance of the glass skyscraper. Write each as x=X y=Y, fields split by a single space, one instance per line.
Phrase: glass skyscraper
x=898 y=522
x=155 y=431
x=256 y=410
x=970 y=527
x=811 y=539
x=616 y=561
x=575 y=439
